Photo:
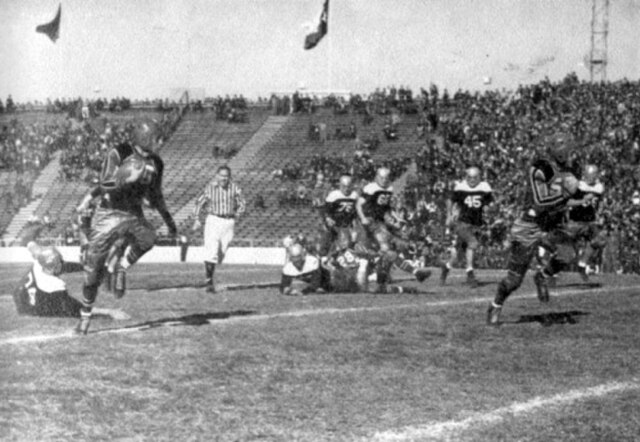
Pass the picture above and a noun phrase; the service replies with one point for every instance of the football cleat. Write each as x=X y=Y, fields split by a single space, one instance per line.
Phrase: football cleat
x=471 y=279
x=541 y=286
x=493 y=315
x=444 y=273
x=422 y=274
x=82 y=328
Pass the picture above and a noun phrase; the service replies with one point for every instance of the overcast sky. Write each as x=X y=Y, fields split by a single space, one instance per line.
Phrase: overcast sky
x=146 y=48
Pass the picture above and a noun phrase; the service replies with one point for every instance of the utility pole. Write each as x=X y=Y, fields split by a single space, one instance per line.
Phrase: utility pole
x=599 y=31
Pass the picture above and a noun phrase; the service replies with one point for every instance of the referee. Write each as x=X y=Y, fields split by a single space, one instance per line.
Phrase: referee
x=223 y=202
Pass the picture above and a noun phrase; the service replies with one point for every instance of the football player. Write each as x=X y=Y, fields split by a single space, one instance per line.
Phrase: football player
x=301 y=273
x=373 y=208
x=584 y=216
x=41 y=291
x=131 y=174
x=338 y=215
x=549 y=187
x=465 y=217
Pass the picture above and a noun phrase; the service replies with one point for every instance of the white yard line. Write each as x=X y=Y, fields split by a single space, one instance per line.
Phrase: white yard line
x=325 y=311
x=447 y=430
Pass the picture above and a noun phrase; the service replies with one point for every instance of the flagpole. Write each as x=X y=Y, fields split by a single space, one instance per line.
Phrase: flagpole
x=330 y=57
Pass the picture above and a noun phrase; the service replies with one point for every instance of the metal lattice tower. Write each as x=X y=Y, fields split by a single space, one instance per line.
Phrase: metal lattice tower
x=599 y=32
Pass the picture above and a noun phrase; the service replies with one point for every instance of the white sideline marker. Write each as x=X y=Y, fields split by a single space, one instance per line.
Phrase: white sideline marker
x=323 y=311
x=448 y=429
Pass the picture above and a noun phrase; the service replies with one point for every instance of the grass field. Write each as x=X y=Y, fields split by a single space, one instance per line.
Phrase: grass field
x=250 y=364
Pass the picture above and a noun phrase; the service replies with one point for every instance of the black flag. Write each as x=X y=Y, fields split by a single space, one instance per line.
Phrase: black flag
x=311 y=40
x=52 y=29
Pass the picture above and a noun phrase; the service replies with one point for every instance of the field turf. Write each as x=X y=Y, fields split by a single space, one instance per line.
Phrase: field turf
x=249 y=364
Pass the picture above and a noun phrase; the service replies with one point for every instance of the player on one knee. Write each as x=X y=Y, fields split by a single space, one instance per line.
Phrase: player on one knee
x=465 y=209
x=373 y=208
x=301 y=273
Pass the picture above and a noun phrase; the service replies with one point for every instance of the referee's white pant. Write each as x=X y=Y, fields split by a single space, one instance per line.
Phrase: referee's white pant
x=218 y=233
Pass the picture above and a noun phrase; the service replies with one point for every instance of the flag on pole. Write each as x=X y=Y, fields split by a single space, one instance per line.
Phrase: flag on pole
x=52 y=29
x=311 y=40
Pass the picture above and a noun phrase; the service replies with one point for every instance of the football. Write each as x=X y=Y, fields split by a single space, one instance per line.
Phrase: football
x=135 y=169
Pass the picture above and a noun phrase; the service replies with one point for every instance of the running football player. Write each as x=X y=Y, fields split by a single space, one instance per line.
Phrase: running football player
x=549 y=187
x=373 y=208
x=465 y=210
x=131 y=173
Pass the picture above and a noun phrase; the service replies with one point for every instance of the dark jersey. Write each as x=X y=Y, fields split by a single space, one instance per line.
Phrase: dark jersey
x=545 y=201
x=341 y=207
x=129 y=198
x=343 y=271
x=377 y=201
x=41 y=294
x=471 y=201
x=587 y=212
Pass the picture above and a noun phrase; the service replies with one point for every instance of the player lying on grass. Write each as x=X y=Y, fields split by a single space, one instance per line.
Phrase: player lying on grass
x=41 y=292
x=343 y=272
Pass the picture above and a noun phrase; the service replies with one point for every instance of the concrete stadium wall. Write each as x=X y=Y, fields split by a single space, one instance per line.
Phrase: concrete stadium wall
x=235 y=255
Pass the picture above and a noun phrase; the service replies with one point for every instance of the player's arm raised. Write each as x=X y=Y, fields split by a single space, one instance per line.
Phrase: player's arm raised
x=360 y=202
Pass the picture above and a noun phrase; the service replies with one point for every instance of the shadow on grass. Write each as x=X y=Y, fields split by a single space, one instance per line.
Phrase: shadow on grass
x=195 y=319
x=581 y=285
x=552 y=318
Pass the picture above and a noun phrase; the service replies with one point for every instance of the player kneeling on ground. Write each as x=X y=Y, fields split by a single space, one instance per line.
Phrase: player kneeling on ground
x=301 y=274
x=41 y=292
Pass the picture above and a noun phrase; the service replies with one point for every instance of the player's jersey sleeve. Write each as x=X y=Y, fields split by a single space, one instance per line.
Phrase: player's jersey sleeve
x=377 y=200
x=111 y=163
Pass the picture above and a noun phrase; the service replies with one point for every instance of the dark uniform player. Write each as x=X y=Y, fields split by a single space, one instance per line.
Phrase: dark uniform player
x=468 y=200
x=41 y=292
x=582 y=225
x=549 y=188
x=374 y=212
x=338 y=216
x=131 y=174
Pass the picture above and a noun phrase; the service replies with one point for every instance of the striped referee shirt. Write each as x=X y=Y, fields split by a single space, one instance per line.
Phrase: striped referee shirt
x=219 y=201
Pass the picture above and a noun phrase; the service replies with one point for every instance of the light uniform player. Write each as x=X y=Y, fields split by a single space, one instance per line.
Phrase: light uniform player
x=301 y=273
x=468 y=200
x=41 y=291
x=373 y=208
x=584 y=211
x=338 y=216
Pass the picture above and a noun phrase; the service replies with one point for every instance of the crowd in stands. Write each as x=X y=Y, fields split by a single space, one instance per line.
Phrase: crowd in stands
x=499 y=131
x=307 y=183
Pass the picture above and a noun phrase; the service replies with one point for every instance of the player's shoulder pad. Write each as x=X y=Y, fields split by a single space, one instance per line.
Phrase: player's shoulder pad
x=463 y=186
x=336 y=195
x=372 y=188
x=311 y=264
x=597 y=188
